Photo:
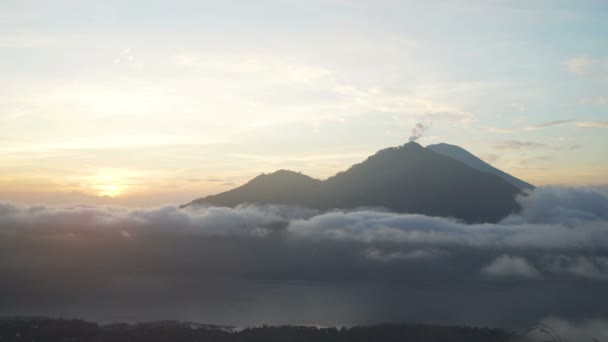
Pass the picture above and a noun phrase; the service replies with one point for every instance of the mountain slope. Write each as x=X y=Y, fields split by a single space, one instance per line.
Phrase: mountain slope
x=462 y=155
x=408 y=179
x=280 y=187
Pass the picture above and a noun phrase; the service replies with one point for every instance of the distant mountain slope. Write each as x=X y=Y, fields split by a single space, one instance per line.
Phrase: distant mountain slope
x=460 y=154
x=280 y=187
x=408 y=179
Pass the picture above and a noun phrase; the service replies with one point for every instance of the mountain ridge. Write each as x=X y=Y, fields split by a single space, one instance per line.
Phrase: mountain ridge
x=408 y=178
x=460 y=154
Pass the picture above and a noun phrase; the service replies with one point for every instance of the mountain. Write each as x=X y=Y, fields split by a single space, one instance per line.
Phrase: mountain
x=280 y=187
x=464 y=156
x=408 y=178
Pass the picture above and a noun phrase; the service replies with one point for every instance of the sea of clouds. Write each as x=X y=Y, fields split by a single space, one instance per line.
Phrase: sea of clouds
x=257 y=264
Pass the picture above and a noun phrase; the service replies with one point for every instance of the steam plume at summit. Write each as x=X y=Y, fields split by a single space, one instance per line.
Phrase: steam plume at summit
x=417 y=132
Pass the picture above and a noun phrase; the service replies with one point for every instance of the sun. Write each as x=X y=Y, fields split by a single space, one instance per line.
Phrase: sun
x=110 y=182
x=110 y=190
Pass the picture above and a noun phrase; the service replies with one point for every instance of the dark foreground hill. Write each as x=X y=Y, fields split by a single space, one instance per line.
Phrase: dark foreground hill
x=50 y=330
x=408 y=179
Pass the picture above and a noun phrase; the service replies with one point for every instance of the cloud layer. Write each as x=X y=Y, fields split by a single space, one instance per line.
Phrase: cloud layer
x=279 y=264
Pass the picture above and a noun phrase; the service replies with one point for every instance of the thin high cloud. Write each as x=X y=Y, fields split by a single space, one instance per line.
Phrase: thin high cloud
x=549 y=124
x=556 y=123
x=280 y=264
x=581 y=65
x=575 y=123
x=518 y=145
x=584 y=66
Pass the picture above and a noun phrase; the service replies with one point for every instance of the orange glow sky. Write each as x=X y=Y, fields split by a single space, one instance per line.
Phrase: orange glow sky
x=141 y=103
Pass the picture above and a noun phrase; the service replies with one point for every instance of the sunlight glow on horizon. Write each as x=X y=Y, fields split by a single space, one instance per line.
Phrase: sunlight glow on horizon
x=167 y=107
x=109 y=183
x=109 y=190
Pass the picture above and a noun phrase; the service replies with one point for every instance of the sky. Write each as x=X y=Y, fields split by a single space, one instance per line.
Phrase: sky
x=140 y=103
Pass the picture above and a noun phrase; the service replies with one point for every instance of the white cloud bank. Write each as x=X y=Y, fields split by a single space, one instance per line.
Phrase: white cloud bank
x=510 y=266
x=219 y=259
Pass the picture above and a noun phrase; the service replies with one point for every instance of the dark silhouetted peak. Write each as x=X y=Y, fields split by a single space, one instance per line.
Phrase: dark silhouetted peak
x=282 y=178
x=407 y=147
x=280 y=187
x=282 y=174
x=412 y=145
x=408 y=178
x=408 y=150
